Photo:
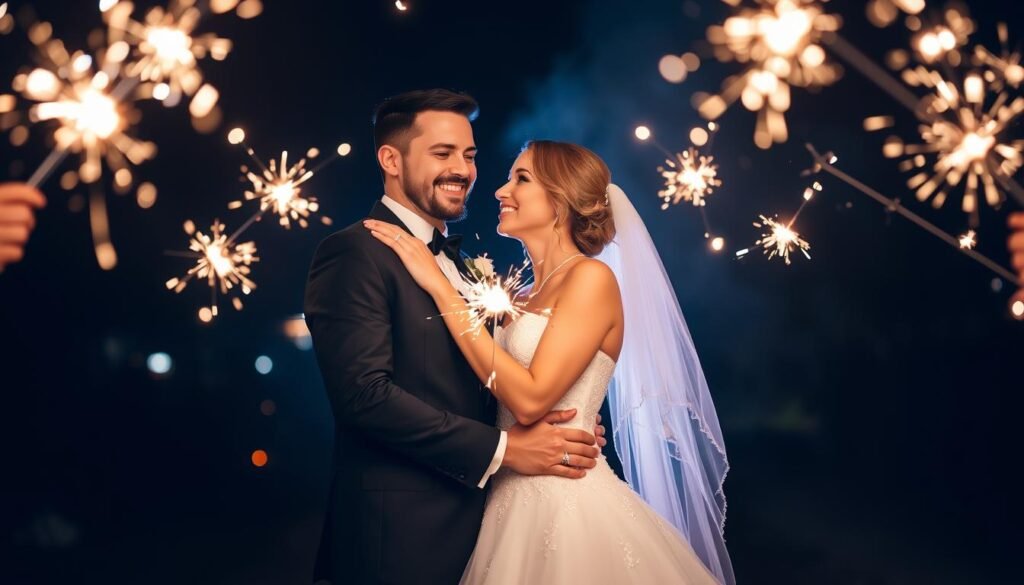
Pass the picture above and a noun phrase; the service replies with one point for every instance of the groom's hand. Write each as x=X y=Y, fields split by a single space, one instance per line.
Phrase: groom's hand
x=539 y=449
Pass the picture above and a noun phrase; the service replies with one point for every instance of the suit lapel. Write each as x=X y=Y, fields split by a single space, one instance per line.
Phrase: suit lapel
x=380 y=212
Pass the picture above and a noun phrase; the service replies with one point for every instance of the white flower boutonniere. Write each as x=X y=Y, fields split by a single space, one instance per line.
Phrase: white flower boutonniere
x=481 y=267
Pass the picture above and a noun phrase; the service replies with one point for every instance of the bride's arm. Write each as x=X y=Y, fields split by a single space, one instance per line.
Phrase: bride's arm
x=578 y=324
x=586 y=310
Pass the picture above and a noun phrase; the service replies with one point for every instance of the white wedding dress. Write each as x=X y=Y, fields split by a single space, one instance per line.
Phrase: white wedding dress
x=541 y=530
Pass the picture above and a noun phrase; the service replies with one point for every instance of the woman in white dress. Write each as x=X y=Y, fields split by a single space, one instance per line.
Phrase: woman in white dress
x=602 y=319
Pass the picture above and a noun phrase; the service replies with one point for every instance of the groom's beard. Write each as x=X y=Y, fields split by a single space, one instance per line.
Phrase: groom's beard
x=425 y=197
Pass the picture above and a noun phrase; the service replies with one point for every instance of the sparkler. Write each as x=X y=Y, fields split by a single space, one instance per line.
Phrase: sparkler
x=965 y=142
x=781 y=239
x=965 y=124
x=279 y=186
x=86 y=100
x=163 y=54
x=224 y=265
x=827 y=164
x=88 y=105
x=778 y=41
x=490 y=297
x=689 y=176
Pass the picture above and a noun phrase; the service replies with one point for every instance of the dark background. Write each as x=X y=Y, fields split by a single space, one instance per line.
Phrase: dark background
x=870 y=397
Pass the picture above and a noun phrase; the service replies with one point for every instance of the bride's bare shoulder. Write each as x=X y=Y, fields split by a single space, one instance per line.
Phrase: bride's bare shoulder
x=592 y=279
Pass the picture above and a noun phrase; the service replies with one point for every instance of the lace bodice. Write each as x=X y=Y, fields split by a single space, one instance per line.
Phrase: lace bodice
x=520 y=339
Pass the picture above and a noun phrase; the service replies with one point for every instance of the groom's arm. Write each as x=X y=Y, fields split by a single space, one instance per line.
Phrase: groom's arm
x=347 y=312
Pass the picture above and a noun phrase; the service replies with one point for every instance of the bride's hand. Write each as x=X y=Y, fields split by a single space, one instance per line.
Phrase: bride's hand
x=415 y=255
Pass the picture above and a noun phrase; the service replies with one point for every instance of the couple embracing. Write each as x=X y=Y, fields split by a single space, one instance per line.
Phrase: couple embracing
x=441 y=477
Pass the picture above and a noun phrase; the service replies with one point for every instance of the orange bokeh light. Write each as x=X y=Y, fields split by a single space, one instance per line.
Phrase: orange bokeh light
x=259 y=458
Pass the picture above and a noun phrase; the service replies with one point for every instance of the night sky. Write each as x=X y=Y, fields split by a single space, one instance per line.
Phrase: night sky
x=869 y=397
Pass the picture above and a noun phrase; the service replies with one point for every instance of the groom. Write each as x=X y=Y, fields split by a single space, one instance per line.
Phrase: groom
x=415 y=441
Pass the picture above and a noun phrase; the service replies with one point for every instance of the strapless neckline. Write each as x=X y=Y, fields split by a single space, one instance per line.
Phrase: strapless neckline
x=548 y=318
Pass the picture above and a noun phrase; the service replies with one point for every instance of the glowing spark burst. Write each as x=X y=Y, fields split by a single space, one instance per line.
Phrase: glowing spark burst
x=968 y=240
x=163 y=53
x=279 y=186
x=1006 y=67
x=491 y=297
x=778 y=41
x=690 y=177
x=223 y=264
x=779 y=240
x=92 y=119
x=965 y=142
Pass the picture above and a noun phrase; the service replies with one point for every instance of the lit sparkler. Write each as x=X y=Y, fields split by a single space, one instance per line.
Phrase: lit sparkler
x=965 y=142
x=964 y=243
x=968 y=240
x=94 y=121
x=690 y=177
x=780 y=240
x=224 y=265
x=163 y=52
x=490 y=297
x=279 y=186
x=778 y=41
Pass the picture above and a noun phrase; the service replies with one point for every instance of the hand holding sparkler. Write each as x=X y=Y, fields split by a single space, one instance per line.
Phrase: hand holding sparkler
x=18 y=203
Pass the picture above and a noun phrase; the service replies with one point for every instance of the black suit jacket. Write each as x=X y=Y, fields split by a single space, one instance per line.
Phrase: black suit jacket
x=414 y=429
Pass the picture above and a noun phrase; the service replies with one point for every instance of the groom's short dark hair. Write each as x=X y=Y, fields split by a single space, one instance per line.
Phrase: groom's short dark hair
x=394 y=118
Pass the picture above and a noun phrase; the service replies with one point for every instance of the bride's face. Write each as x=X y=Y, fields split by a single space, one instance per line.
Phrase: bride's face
x=524 y=206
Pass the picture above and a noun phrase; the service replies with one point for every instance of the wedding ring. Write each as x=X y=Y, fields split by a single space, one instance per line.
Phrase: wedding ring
x=565 y=459
x=398 y=237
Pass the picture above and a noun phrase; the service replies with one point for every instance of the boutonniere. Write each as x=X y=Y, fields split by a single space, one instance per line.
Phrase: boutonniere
x=480 y=267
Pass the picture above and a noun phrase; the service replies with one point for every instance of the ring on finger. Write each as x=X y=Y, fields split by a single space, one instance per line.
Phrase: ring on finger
x=565 y=458
x=398 y=237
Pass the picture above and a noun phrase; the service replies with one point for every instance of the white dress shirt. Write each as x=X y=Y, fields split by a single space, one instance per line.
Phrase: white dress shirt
x=425 y=233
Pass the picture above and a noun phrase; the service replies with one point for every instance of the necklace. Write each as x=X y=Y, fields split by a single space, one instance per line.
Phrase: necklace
x=552 y=273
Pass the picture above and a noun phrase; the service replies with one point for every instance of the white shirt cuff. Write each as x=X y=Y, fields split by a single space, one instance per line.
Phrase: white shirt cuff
x=499 y=456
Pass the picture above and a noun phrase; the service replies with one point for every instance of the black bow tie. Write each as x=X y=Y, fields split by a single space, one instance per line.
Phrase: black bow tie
x=450 y=245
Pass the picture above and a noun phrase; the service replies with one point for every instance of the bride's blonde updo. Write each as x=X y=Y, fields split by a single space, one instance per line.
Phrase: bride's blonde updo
x=577 y=181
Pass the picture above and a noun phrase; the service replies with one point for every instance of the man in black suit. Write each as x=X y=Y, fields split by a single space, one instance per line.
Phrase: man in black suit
x=415 y=440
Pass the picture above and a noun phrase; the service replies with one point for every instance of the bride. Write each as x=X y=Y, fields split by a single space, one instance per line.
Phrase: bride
x=601 y=320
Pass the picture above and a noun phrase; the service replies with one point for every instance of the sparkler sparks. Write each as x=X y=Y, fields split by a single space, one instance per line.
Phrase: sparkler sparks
x=778 y=42
x=222 y=263
x=491 y=297
x=968 y=240
x=689 y=177
x=163 y=53
x=943 y=40
x=1005 y=67
x=965 y=142
x=780 y=240
x=278 y=186
x=93 y=120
